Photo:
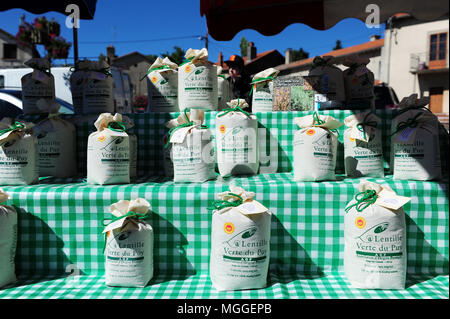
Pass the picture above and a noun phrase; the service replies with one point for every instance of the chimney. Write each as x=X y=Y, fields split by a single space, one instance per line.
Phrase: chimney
x=220 y=62
x=251 y=51
x=288 y=56
x=110 y=54
x=374 y=37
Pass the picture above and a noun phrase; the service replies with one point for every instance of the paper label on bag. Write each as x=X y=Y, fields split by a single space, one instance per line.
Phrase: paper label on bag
x=356 y=134
x=252 y=207
x=391 y=200
x=114 y=225
x=179 y=135
x=406 y=135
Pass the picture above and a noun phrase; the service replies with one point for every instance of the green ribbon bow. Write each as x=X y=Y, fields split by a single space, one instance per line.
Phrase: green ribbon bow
x=411 y=122
x=150 y=70
x=257 y=80
x=189 y=123
x=362 y=126
x=117 y=126
x=317 y=120
x=16 y=126
x=130 y=214
x=222 y=76
x=220 y=204
x=237 y=108
x=363 y=200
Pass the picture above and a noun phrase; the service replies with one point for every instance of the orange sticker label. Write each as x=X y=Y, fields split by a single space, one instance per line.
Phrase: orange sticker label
x=310 y=132
x=360 y=222
x=222 y=129
x=187 y=69
x=351 y=139
x=228 y=228
x=101 y=138
x=154 y=79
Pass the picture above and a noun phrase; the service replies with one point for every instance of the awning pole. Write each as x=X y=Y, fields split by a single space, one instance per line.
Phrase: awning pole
x=75 y=45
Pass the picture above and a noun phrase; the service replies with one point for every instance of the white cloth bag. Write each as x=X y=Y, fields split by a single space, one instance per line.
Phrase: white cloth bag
x=129 y=245
x=197 y=82
x=359 y=82
x=18 y=154
x=363 y=150
x=8 y=241
x=375 y=239
x=56 y=144
x=262 y=90
x=415 y=148
x=240 y=243
x=162 y=86
x=38 y=85
x=192 y=149
x=108 y=154
x=77 y=81
x=315 y=148
x=98 y=89
x=237 y=142
x=223 y=89
x=331 y=78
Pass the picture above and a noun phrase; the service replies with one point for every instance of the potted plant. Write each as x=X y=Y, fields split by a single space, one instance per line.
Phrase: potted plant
x=39 y=33
x=57 y=48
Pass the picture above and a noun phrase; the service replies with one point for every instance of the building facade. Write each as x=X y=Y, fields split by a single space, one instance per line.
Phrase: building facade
x=12 y=55
x=415 y=59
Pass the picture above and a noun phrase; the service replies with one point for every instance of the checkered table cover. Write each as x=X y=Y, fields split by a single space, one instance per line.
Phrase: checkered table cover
x=276 y=131
x=60 y=232
x=331 y=286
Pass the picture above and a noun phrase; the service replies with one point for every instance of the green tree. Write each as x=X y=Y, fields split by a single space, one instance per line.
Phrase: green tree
x=177 y=56
x=338 y=45
x=244 y=46
x=299 y=54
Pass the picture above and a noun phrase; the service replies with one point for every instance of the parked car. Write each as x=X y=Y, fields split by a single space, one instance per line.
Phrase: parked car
x=11 y=78
x=385 y=97
x=11 y=103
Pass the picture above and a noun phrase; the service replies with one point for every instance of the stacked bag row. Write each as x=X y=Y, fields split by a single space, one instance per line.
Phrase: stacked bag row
x=375 y=237
x=415 y=150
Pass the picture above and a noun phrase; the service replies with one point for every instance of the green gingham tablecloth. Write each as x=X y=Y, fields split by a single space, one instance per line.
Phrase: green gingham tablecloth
x=60 y=236
x=276 y=131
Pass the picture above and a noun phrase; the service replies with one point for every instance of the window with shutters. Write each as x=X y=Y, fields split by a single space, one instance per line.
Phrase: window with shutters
x=438 y=50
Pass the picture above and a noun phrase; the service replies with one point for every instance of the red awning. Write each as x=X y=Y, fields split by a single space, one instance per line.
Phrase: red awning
x=225 y=18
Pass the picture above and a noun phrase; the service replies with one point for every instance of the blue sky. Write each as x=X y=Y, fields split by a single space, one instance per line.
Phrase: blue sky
x=155 y=21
